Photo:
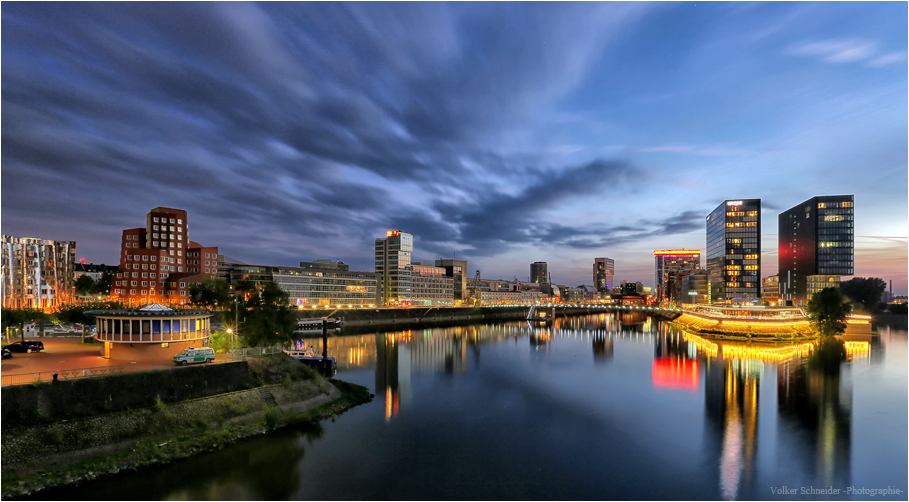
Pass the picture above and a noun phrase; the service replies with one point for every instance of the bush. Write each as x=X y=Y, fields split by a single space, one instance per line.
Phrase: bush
x=272 y=417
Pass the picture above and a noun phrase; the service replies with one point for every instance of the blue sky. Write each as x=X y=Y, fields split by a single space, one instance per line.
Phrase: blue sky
x=506 y=133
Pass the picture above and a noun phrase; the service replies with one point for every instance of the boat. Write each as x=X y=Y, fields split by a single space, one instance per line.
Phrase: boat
x=309 y=357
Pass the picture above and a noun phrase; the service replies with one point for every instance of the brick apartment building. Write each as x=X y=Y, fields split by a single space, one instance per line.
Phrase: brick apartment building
x=159 y=262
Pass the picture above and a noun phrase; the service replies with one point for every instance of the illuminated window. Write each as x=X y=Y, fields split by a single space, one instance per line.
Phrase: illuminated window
x=751 y=257
x=821 y=205
x=751 y=224
x=833 y=217
x=847 y=204
x=751 y=267
x=752 y=213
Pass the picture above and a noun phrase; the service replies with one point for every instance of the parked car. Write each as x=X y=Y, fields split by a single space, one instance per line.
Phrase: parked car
x=7 y=354
x=26 y=346
x=191 y=356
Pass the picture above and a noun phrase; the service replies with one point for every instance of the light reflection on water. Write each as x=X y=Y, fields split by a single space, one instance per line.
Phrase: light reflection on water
x=609 y=406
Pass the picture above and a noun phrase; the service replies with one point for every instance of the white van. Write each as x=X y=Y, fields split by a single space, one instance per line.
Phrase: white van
x=192 y=356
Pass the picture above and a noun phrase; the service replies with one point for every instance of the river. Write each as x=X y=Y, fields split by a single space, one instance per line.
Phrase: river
x=609 y=406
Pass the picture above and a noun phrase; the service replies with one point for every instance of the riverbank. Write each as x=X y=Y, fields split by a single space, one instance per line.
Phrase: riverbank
x=738 y=329
x=65 y=452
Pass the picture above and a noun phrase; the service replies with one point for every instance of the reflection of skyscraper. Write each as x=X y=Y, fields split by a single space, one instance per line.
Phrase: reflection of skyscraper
x=731 y=398
x=392 y=373
x=603 y=348
x=810 y=395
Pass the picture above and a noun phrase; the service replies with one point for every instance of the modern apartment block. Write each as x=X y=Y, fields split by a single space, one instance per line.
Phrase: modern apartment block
x=310 y=285
x=393 y=255
x=158 y=263
x=734 y=251
x=603 y=274
x=37 y=273
x=538 y=272
x=667 y=264
x=816 y=246
x=457 y=270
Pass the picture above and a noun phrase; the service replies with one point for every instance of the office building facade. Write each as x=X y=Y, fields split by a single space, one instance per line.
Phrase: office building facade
x=770 y=290
x=393 y=260
x=538 y=272
x=667 y=264
x=603 y=274
x=310 y=286
x=159 y=263
x=734 y=251
x=816 y=246
x=37 y=273
x=457 y=270
x=430 y=285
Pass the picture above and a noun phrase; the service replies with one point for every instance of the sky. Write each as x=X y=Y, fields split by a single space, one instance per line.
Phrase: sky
x=499 y=133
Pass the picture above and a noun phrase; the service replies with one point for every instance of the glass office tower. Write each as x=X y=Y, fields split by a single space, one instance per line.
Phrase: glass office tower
x=392 y=261
x=816 y=246
x=734 y=251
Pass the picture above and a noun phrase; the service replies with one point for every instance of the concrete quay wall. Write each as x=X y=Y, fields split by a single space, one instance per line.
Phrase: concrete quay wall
x=30 y=404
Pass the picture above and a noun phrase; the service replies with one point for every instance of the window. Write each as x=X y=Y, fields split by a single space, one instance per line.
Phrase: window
x=144 y=258
x=207 y=272
x=182 y=293
x=133 y=291
x=152 y=275
x=180 y=221
x=145 y=266
x=182 y=284
x=155 y=220
x=179 y=269
x=154 y=258
x=155 y=227
x=207 y=255
x=144 y=283
x=171 y=220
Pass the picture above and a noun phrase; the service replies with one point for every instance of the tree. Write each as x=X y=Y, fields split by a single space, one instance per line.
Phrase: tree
x=85 y=285
x=269 y=318
x=102 y=287
x=864 y=291
x=828 y=310
x=10 y=318
x=77 y=313
x=212 y=293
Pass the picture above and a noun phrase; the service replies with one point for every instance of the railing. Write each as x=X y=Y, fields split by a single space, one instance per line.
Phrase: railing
x=255 y=351
x=48 y=376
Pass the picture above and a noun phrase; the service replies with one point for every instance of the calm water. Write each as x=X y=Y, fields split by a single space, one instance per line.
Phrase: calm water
x=598 y=407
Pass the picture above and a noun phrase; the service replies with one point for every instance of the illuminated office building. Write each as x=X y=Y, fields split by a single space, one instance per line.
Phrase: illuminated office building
x=667 y=264
x=393 y=266
x=456 y=269
x=603 y=274
x=734 y=251
x=816 y=246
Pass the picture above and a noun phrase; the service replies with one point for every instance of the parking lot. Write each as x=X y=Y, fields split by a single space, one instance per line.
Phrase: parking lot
x=66 y=355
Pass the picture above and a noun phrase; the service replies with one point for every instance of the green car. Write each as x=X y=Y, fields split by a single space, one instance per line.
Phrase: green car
x=192 y=356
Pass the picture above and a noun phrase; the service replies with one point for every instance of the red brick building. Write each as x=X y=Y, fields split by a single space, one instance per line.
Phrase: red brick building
x=159 y=262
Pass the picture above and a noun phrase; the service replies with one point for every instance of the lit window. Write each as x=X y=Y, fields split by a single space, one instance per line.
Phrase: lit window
x=821 y=205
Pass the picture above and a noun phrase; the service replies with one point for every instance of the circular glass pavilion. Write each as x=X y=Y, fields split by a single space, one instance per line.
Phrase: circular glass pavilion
x=152 y=333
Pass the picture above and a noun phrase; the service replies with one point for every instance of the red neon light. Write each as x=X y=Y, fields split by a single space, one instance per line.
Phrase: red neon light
x=655 y=253
x=674 y=373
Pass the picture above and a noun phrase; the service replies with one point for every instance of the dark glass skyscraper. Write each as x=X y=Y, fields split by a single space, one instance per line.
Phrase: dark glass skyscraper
x=734 y=250
x=538 y=272
x=603 y=273
x=816 y=246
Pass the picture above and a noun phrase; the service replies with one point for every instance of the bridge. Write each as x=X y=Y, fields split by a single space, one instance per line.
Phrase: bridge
x=593 y=307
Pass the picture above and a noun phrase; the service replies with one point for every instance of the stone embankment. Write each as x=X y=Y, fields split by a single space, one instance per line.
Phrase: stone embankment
x=65 y=451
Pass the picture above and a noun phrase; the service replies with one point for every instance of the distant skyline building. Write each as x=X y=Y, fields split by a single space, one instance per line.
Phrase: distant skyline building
x=332 y=284
x=37 y=273
x=539 y=272
x=668 y=262
x=393 y=259
x=816 y=246
x=770 y=289
x=734 y=251
x=158 y=263
x=603 y=274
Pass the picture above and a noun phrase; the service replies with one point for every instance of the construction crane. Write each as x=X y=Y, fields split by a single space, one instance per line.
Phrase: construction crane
x=474 y=293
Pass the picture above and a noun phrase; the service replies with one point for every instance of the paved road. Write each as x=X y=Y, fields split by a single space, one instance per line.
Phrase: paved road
x=68 y=353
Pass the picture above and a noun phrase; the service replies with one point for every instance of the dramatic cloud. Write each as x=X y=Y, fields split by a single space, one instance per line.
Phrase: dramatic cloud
x=297 y=131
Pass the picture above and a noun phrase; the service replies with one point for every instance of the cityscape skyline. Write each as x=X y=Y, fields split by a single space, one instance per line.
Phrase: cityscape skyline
x=499 y=134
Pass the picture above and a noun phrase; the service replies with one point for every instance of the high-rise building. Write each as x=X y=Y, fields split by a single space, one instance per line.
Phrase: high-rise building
x=816 y=246
x=666 y=263
x=538 y=272
x=392 y=261
x=603 y=274
x=456 y=269
x=734 y=251
x=37 y=273
x=158 y=263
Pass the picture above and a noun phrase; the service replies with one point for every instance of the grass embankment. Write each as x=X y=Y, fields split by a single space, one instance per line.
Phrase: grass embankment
x=189 y=435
